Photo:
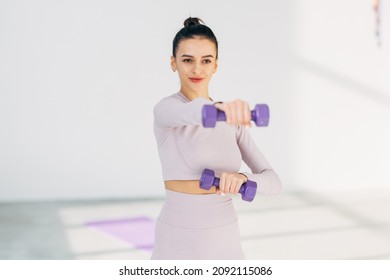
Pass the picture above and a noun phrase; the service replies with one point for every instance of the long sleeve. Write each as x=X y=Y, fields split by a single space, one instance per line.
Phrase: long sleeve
x=268 y=182
x=173 y=112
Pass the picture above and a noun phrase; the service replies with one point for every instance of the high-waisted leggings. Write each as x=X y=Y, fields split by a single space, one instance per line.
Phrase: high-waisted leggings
x=192 y=226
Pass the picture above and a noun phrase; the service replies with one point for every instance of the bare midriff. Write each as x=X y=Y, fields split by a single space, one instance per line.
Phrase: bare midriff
x=187 y=186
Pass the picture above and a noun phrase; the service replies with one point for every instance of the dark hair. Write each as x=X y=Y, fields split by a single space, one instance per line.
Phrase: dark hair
x=194 y=27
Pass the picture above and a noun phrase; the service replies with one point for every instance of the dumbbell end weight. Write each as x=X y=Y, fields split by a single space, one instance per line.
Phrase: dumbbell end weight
x=207 y=179
x=260 y=115
x=209 y=115
x=248 y=191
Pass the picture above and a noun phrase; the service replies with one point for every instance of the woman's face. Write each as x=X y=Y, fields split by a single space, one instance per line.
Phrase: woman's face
x=195 y=63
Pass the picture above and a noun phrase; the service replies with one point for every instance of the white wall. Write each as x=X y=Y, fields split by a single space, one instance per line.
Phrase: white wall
x=342 y=96
x=78 y=81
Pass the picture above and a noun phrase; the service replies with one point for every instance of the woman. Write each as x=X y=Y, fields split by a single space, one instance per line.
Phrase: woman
x=196 y=223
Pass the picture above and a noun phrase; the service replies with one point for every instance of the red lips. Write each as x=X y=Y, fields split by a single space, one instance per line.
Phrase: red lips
x=196 y=80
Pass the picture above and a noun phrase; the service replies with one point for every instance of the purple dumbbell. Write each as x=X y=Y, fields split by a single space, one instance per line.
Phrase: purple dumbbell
x=247 y=190
x=210 y=115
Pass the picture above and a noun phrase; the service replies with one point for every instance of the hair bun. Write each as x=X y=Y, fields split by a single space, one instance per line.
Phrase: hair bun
x=192 y=21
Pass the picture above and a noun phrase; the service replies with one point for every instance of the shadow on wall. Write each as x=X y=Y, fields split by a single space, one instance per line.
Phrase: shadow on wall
x=379 y=96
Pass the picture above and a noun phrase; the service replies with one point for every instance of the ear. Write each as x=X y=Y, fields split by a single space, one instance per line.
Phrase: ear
x=173 y=63
x=216 y=66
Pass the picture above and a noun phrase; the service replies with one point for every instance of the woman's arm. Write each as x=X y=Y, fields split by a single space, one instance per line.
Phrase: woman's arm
x=173 y=112
x=268 y=182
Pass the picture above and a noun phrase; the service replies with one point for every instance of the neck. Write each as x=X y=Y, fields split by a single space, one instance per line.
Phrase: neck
x=194 y=94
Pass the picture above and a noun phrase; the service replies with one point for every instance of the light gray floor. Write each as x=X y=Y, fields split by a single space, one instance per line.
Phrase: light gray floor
x=343 y=225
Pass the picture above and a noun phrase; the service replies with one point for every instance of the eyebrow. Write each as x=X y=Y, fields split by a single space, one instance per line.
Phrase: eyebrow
x=191 y=56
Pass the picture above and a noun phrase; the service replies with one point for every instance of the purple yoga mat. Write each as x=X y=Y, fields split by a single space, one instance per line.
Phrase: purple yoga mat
x=136 y=231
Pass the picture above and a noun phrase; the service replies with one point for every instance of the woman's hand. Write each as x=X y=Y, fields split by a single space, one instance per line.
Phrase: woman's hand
x=237 y=112
x=231 y=183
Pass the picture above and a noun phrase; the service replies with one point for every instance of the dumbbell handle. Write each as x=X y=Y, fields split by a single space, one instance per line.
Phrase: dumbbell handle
x=242 y=188
x=221 y=116
x=208 y=179
x=210 y=115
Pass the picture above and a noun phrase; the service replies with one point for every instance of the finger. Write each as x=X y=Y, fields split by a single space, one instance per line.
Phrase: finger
x=238 y=185
x=247 y=112
x=234 y=113
x=228 y=113
x=228 y=184
x=222 y=183
x=247 y=115
x=240 y=112
x=233 y=183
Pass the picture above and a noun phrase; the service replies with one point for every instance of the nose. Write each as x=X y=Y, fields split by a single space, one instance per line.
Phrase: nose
x=197 y=68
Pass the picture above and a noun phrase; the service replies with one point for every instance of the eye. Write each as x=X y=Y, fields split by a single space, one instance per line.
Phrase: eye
x=206 y=61
x=187 y=60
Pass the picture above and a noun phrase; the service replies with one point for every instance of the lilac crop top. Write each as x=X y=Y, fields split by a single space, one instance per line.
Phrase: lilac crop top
x=186 y=148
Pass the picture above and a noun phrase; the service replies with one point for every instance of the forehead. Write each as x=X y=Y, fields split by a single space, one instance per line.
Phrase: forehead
x=196 y=47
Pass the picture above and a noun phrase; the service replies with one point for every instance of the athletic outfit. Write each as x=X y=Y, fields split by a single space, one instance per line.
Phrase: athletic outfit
x=193 y=226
